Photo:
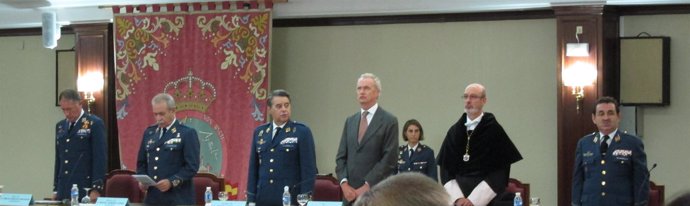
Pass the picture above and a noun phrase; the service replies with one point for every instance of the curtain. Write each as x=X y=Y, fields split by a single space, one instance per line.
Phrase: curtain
x=213 y=58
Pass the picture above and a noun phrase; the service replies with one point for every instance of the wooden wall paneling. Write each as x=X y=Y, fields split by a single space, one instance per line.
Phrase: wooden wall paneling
x=599 y=24
x=95 y=54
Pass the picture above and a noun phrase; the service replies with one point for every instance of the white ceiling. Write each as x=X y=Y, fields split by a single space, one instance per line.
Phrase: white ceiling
x=27 y=13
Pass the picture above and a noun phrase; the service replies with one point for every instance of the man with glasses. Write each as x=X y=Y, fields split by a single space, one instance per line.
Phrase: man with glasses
x=476 y=154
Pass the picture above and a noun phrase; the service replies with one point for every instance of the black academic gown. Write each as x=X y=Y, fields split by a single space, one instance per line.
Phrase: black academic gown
x=491 y=154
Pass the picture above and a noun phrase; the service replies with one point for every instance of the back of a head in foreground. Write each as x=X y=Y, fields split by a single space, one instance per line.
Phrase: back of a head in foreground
x=406 y=189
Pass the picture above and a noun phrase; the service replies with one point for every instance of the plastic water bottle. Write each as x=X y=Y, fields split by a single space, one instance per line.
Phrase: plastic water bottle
x=208 y=196
x=286 y=196
x=518 y=199
x=74 y=201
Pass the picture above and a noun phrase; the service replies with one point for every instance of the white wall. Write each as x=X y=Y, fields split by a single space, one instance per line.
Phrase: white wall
x=28 y=114
x=424 y=69
x=666 y=133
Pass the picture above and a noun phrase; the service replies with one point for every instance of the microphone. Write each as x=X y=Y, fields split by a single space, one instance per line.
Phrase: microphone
x=650 y=170
x=646 y=179
x=313 y=179
x=291 y=188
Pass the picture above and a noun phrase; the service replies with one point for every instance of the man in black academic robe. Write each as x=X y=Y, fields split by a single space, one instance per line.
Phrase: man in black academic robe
x=475 y=173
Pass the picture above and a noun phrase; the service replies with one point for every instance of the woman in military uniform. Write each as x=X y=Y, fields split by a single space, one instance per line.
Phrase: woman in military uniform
x=415 y=156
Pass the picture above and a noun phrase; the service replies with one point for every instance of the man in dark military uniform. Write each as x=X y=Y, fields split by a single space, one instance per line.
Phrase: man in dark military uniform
x=610 y=166
x=80 y=150
x=169 y=154
x=414 y=156
x=282 y=154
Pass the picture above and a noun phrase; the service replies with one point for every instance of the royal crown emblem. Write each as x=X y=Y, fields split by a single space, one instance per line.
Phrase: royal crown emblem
x=192 y=93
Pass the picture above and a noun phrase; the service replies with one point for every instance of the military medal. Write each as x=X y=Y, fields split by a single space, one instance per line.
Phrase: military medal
x=261 y=141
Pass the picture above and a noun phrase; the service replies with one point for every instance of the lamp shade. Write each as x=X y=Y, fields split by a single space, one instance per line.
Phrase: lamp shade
x=91 y=82
x=579 y=74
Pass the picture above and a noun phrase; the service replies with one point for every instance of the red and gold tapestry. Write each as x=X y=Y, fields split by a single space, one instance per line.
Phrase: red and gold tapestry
x=213 y=62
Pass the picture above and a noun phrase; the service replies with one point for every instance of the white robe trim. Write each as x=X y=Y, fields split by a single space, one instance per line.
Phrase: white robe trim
x=480 y=196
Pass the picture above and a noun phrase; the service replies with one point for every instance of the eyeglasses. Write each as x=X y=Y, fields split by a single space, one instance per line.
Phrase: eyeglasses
x=471 y=97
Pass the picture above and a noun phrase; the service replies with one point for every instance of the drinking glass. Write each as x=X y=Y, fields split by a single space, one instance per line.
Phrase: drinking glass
x=302 y=199
x=86 y=198
x=535 y=201
x=222 y=196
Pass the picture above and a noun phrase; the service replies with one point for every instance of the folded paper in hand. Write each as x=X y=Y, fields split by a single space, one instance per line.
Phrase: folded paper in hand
x=145 y=180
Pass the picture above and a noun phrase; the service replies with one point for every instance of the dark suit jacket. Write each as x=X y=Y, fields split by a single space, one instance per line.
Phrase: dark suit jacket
x=80 y=156
x=625 y=181
x=375 y=157
x=288 y=159
x=175 y=156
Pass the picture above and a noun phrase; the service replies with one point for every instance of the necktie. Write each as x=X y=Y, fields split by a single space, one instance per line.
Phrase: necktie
x=411 y=151
x=71 y=125
x=276 y=132
x=362 y=126
x=162 y=132
x=604 y=146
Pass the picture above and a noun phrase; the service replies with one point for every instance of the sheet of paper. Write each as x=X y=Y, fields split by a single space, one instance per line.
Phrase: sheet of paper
x=145 y=180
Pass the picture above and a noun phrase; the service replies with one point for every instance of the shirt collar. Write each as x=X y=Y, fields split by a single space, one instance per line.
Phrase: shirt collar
x=611 y=135
x=275 y=125
x=371 y=110
x=171 y=124
x=413 y=147
x=81 y=114
x=471 y=124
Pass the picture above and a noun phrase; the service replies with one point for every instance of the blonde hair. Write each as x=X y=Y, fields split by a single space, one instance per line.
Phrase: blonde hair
x=405 y=189
x=374 y=77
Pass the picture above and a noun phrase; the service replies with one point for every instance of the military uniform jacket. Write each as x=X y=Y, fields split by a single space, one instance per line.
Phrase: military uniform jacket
x=288 y=159
x=80 y=155
x=619 y=178
x=175 y=156
x=422 y=160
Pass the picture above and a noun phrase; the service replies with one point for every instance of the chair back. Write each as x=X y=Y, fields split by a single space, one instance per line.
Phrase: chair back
x=656 y=194
x=120 y=183
x=327 y=188
x=515 y=185
x=203 y=180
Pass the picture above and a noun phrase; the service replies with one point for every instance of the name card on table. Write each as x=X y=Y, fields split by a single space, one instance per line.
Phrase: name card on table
x=111 y=201
x=324 y=203
x=16 y=199
x=228 y=203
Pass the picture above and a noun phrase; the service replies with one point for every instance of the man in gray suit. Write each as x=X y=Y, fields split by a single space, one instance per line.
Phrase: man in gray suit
x=368 y=146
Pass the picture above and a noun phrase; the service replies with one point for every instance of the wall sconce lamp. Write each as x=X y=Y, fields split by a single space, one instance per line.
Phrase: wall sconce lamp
x=90 y=83
x=577 y=49
x=577 y=76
